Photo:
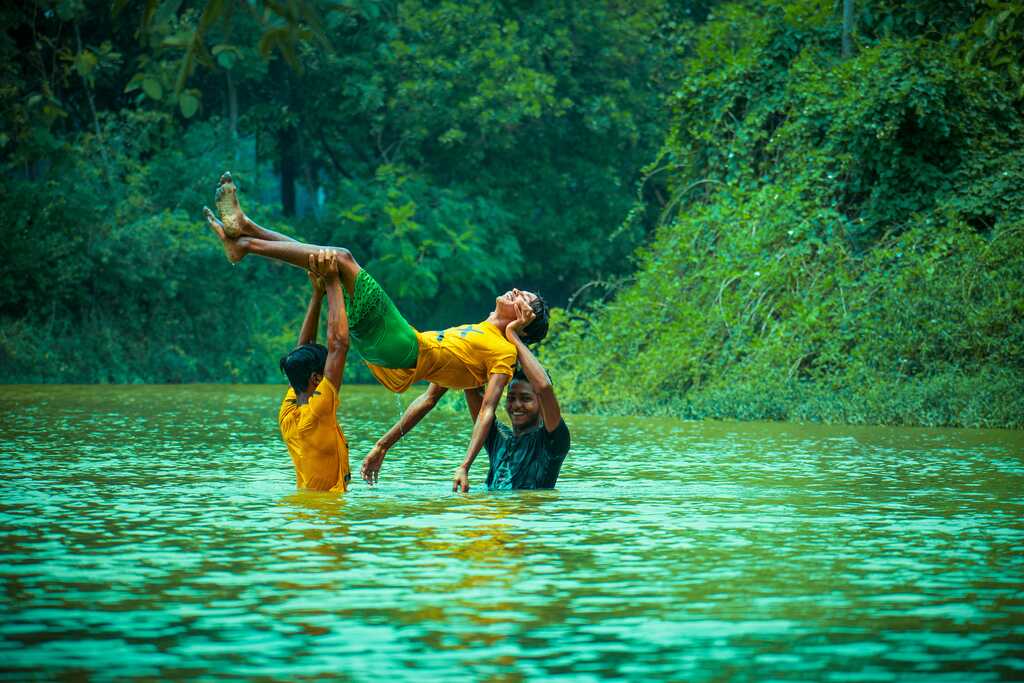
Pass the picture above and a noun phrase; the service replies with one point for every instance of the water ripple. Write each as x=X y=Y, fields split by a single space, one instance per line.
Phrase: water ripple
x=154 y=532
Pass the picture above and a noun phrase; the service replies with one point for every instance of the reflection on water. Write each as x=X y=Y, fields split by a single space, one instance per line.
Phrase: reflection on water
x=156 y=532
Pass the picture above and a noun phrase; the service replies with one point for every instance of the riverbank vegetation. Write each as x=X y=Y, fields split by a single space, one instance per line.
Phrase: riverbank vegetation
x=842 y=235
x=754 y=210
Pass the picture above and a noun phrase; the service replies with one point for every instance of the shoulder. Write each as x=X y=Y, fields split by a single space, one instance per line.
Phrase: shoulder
x=497 y=435
x=327 y=388
x=288 y=405
x=501 y=352
x=558 y=439
x=495 y=336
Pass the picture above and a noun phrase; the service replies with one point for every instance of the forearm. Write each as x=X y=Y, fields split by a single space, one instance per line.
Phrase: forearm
x=307 y=335
x=410 y=418
x=532 y=368
x=474 y=400
x=337 y=321
x=484 y=420
x=550 y=411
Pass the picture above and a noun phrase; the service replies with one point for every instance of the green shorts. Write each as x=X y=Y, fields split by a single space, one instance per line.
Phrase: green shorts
x=378 y=331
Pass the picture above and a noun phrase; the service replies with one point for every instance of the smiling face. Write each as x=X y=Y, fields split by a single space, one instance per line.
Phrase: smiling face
x=505 y=305
x=522 y=405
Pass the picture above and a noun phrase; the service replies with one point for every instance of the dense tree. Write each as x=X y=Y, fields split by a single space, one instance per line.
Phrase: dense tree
x=458 y=148
x=842 y=236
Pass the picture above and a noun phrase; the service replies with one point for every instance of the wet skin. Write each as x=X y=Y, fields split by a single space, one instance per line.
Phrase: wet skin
x=522 y=406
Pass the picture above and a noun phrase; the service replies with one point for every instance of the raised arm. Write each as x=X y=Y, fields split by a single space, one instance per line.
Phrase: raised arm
x=534 y=371
x=424 y=403
x=484 y=419
x=337 y=321
x=307 y=335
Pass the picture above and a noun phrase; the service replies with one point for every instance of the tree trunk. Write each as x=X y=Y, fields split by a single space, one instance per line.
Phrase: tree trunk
x=233 y=114
x=848 y=28
x=286 y=144
x=287 y=137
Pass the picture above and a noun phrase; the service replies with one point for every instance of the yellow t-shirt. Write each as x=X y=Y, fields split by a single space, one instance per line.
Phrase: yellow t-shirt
x=460 y=357
x=314 y=439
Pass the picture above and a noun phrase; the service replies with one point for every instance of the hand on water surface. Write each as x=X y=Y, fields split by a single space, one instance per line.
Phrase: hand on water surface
x=524 y=316
x=370 y=471
x=461 y=479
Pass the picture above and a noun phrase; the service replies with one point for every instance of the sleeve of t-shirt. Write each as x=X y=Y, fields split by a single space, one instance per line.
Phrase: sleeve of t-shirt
x=492 y=436
x=323 y=403
x=288 y=407
x=557 y=440
x=502 y=362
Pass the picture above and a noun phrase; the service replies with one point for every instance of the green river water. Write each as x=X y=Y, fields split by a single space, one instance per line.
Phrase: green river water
x=154 y=532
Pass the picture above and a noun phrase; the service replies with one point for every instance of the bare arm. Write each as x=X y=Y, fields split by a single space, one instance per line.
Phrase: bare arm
x=307 y=335
x=550 y=411
x=337 y=321
x=424 y=403
x=484 y=419
x=474 y=399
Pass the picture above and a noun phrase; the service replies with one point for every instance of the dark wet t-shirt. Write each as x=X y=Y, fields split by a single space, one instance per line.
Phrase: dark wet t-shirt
x=531 y=460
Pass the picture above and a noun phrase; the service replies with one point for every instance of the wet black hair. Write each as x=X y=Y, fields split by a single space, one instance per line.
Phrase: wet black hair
x=519 y=375
x=538 y=329
x=300 y=364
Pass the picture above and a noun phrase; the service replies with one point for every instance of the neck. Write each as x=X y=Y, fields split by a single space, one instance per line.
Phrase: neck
x=525 y=428
x=495 y=319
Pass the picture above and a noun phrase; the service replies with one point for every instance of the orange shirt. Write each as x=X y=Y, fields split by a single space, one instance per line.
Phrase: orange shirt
x=460 y=357
x=314 y=439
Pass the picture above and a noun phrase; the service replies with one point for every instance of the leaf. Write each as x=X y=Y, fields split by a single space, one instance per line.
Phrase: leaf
x=213 y=11
x=152 y=88
x=85 y=62
x=189 y=104
x=226 y=59
x=180 y=39
x=135 y=83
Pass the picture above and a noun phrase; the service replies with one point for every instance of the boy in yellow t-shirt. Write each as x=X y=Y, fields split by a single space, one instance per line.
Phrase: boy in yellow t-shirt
x=308 y=415
x=462 y=357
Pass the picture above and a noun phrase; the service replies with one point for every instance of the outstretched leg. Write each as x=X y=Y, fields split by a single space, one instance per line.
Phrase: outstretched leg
x=250 y=238
x=295 y=253
x=233 y=220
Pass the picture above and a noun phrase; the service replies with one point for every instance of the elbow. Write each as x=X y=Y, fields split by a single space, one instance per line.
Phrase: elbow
x=338 y=343
x=542 y=388
x=432 y=395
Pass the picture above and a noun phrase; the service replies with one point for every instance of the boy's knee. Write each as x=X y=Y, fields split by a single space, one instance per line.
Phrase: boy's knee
x=344 y=257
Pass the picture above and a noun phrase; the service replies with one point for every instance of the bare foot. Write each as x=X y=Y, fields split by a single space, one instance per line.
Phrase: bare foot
x=235 y=222
x=233 y=248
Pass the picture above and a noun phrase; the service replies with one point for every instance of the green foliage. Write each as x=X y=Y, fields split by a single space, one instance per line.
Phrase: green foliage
x=841 y=239
x=449 y=145
x=421 y=241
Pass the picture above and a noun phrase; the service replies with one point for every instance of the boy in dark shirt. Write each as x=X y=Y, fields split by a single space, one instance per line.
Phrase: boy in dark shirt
x=531 y=453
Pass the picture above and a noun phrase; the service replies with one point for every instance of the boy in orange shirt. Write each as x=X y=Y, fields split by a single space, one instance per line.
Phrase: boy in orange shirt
x=462 y=357
x=308 y=414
